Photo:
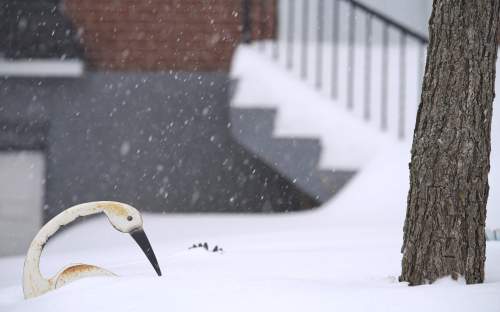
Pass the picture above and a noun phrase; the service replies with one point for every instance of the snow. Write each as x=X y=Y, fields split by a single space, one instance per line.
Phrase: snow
x=348 y=141
x=41 y=68
x=344 y=256
x=304 y=112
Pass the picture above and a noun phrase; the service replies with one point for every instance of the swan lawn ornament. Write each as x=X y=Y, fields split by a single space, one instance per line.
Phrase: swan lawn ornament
x=122 y=217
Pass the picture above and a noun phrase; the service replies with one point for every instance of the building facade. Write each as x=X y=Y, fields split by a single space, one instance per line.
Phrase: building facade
x=127 y=101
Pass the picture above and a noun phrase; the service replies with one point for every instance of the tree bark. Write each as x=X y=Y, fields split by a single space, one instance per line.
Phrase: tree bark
x=444 y=231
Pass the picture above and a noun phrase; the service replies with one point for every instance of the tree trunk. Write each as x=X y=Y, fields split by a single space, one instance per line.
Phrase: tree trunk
x=444 y=230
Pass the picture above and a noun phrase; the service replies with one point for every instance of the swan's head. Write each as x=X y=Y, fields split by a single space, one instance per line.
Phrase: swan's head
x=127 y=219
x=122 y=217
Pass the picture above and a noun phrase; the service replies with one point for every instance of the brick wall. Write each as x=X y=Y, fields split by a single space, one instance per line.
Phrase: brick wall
x=155 y=35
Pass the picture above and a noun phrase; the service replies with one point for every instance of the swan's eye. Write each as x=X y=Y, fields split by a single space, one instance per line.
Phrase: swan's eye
x=129 y=218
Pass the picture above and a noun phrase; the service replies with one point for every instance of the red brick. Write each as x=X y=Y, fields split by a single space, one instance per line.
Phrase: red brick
x=162 y=35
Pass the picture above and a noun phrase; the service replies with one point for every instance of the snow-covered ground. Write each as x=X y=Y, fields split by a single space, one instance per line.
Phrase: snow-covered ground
x=344 y=256
x=348 y=141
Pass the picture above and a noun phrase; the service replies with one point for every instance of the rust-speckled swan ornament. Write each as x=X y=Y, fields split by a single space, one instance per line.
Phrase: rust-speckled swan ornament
x=123 y=217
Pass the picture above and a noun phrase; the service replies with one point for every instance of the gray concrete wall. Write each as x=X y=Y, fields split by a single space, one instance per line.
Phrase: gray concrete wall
x=157 y=141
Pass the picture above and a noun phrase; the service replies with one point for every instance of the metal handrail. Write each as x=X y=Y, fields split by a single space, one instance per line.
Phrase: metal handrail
x=298 y=58
x=246 y=20
x=388 y=20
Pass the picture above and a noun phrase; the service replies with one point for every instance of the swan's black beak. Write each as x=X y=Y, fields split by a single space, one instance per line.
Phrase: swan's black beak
x=142 y=240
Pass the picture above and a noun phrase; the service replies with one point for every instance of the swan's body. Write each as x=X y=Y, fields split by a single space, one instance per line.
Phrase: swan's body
x=123 y=217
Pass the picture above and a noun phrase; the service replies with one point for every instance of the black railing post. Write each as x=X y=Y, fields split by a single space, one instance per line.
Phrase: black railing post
x=290 y=33
x=246 y=21
x=305 y=46
x=275 y=28
x=350 y=58
x=335 y=47
x=368 y=68
x=319 y=42
x=384 y=77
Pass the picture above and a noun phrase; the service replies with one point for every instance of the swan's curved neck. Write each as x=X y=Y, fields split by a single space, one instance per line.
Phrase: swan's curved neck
x=34 y=284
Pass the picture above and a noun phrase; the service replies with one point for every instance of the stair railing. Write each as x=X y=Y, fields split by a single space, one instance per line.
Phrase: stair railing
x=363 y=46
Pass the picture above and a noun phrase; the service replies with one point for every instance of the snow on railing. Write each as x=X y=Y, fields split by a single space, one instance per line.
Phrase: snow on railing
x=361 y=58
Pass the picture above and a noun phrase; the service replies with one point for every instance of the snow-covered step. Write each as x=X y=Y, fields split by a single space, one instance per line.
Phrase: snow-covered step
x=348 y=143
x=296 y=159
